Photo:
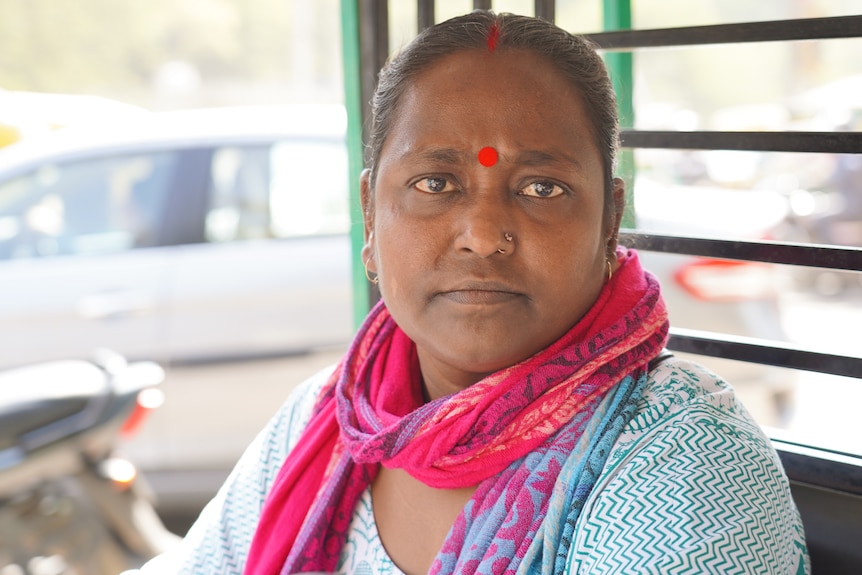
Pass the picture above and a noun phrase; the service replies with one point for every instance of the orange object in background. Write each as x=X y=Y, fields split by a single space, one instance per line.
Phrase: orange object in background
x=726 y=280
x=8 y=134
x=28 y=114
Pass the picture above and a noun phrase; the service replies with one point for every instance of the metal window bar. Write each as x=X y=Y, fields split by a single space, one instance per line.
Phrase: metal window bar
x=753 y=350
x=545 y=9
x=814 y=142
x=746 y=32
x=780 y=354
x=424 y=14
x=810 y=255
x=827 y=469
x=832 y=257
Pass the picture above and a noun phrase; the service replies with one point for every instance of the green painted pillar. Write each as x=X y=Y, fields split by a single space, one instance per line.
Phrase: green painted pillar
x=617 y=15
x=353 y=104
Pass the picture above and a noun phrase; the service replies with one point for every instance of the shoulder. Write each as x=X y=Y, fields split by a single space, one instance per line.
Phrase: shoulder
x=679 y=392
x=691 y=483
x=688 y=413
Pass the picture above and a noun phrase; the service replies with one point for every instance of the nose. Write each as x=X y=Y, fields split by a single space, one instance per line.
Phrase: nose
x=485 y=227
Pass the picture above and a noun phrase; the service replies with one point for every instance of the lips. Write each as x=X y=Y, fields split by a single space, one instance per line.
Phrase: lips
x=480 y=293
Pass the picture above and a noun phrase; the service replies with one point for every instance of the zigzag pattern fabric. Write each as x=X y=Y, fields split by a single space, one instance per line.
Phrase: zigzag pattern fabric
x=690 y=486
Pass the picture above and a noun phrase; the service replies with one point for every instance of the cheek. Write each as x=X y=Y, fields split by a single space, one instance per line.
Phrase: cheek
x=576 y=240
x=572 y=263
x=403 y=255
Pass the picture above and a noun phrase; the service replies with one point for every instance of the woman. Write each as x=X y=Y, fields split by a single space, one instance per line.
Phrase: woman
x=499 y=406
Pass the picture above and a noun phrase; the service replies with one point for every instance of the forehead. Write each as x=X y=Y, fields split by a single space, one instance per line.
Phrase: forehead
x=513 y=95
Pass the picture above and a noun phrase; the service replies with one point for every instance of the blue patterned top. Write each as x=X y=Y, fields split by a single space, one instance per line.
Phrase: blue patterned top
x=691 y=486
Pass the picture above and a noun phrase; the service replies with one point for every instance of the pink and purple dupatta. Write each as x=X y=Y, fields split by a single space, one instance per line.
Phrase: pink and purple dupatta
x=509 y=433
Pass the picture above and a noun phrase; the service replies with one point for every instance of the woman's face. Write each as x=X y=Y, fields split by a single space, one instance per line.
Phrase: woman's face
x=437 y=218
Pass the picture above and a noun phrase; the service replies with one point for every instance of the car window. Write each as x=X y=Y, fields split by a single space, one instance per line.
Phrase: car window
x=104 y=205
x=289 y=189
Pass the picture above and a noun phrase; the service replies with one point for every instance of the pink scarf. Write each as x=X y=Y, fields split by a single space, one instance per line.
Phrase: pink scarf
x=371 y=411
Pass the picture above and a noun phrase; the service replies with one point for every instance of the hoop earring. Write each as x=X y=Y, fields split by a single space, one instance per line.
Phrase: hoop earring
x=610 y=269
x=376 y=279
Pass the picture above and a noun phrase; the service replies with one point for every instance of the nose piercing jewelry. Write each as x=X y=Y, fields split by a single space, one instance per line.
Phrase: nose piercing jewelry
x=508 y=236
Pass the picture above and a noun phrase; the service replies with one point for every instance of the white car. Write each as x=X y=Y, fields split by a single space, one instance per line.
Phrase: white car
x=212 y=241
x=186 y=236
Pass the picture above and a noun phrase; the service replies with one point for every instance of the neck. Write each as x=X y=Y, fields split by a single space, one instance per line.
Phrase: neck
x=440 y=380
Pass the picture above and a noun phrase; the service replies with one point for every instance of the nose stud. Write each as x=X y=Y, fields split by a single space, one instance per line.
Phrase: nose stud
x=508 y=237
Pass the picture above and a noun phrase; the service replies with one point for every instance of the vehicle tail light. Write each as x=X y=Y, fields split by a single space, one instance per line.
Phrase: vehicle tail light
x=147 y=400
x=726 y=280
x=121 y=472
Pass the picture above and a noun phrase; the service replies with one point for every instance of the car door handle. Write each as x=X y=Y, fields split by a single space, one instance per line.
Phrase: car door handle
x=115 y=304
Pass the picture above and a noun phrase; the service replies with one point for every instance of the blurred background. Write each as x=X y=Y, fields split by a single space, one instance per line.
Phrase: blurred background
x=214 y=242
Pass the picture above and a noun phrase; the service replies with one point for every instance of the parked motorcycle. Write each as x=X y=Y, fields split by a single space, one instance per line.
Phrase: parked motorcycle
x=68 y=504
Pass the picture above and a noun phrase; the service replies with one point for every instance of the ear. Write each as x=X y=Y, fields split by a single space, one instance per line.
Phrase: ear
x=619 y=200
x=367 y=201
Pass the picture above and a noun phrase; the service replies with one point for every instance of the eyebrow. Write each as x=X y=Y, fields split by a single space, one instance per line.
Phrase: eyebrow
x=438 y=155
x=542 y=158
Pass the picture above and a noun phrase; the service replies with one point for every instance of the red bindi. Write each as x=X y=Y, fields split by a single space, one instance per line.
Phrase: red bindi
x=488 y=156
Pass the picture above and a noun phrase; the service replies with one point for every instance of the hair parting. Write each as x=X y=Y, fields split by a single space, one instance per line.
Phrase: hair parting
x=493 y=36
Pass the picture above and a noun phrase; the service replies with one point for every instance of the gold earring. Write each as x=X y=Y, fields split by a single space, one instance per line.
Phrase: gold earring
x=610 y=269
x=376 y=279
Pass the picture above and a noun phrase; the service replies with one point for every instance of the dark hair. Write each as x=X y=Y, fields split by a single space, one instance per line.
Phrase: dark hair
x=573 y=56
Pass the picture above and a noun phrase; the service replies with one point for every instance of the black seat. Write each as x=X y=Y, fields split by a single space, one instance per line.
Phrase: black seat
x=35 y=396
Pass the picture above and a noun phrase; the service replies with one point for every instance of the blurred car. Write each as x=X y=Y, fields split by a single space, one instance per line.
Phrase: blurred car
x=184 y=237
x=212 y=241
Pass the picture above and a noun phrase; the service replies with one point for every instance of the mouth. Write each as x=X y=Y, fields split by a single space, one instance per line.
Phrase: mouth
x=480 y=293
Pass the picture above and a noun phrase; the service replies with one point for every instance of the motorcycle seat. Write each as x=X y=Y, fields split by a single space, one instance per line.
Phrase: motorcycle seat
x=42 y=395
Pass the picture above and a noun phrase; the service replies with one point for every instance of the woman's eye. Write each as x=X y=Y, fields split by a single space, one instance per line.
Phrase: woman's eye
x=542 y=190
x=434 y=185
